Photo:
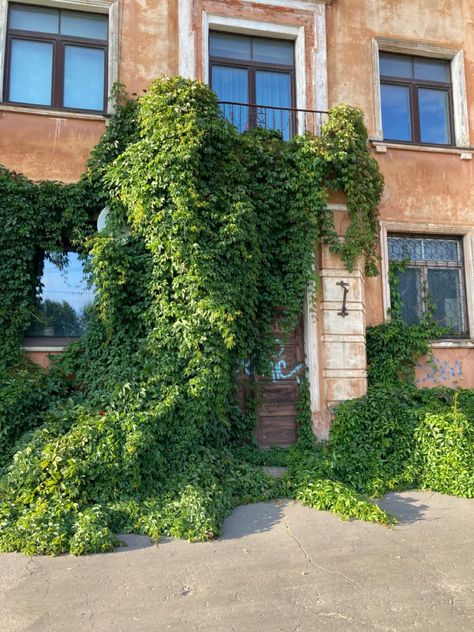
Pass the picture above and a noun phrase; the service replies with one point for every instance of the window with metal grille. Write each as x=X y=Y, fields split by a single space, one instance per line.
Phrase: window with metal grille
x=432 y=279
x=56 y=58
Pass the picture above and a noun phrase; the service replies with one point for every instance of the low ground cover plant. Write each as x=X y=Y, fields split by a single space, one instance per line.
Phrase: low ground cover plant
x=136 y=427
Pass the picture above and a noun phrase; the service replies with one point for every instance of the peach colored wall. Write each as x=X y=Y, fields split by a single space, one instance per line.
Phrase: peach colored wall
x=57 y=147
x=42 y=357
x=449 y=367
x=421 y=187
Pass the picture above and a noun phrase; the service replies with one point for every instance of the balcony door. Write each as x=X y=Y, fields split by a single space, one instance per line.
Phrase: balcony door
x=253 y=78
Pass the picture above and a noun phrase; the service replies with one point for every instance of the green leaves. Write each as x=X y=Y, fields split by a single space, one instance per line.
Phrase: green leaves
x=211 y=232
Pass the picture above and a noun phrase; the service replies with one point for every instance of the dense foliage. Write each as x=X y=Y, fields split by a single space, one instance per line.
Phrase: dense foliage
x=136 y=427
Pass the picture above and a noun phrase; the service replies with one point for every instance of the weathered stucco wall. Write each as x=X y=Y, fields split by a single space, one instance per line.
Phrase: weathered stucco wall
x=46 y=146
x=424 y=189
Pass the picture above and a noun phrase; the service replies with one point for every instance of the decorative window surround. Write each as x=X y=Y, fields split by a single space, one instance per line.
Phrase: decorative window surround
x=263 y=29
x=187 y=46
x=458 y=79
x=467 y=234
x=108 y=7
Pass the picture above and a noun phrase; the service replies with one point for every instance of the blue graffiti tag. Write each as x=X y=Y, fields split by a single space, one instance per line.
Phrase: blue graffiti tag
x=440 y=372
x=280 y=365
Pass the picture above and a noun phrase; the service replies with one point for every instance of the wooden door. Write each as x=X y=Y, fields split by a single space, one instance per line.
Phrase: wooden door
x=278 y=394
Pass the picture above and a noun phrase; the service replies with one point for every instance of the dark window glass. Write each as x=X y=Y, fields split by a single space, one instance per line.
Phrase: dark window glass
x=416 y=99
x=272 y=51
x=432 y=70
x=65 y=299
x=396 y=115
x=410 y=289
x=255 y=76
x=396 y=66
x=31 y=66
x=30 y=18
x=274 y=88
x=230 y=46
x=434 y=116
x=432 y=281
x=83 y=78
x=86 y=25
x=56 y=58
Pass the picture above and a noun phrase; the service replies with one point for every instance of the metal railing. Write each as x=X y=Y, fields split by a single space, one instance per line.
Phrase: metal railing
x=289 y=121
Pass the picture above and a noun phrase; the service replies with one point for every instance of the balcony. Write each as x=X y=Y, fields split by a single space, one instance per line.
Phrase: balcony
x=289 y=121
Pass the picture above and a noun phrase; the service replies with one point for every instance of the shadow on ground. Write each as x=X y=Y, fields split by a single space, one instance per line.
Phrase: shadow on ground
x=407 y=509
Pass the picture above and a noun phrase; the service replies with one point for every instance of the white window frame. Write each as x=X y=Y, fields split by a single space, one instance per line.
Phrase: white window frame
x=106 y=7
x=466 y=233
x=262 y=28
x=458 y=82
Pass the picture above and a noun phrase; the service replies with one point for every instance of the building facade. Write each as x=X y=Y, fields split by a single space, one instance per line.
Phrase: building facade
x=406 y=63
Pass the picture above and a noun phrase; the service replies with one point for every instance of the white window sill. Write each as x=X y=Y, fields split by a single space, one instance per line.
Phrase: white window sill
x=453 y=344
x=6 y=107
x=382 y=146
x=27 y=349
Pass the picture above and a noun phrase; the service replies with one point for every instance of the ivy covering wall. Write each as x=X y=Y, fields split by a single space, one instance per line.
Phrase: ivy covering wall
x=136 y=427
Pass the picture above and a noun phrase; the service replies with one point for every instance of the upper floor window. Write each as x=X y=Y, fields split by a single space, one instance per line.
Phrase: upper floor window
x=254 y=78
x=416 y=99
x=56 y=58
x=431 y=279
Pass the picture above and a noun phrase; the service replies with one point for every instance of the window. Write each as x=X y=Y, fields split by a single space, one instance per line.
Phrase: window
x=65 y=297
x=432 y=278
x=56 y=58
x=416 y=99
x=253 y=71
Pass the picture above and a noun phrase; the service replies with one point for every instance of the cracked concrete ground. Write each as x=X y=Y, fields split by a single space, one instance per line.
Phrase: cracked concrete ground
x=278 y=567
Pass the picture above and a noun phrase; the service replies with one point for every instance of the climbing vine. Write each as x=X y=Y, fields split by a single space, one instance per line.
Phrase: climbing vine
x=136 y=427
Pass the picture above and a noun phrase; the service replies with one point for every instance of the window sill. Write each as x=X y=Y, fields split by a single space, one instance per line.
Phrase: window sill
x=42 y=349
x=381 y=148
x=7 y=107
x=453 y=344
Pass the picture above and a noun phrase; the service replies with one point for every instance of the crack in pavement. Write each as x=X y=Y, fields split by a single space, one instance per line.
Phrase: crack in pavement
x=310 y=560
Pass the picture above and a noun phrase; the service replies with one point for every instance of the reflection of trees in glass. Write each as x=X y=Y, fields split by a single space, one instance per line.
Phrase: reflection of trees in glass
x=56 y=318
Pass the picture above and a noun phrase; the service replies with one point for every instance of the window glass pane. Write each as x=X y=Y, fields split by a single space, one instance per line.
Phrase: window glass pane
x=396 y=66
x=231 y=84
x=273 y=51
x=434 y=116
x=37 y=19
x=405 y=249
x=445 y=297
x=31 y=66
x=274 y=88
x=432 y=70
x=65 y=299
x=396 y=117
x=84 y=78
x=230 y=46
x=91 y=25
x=441 y=250
x=411 y=295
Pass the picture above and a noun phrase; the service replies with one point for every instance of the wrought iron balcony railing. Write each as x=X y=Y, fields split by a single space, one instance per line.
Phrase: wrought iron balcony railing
x=289 y=121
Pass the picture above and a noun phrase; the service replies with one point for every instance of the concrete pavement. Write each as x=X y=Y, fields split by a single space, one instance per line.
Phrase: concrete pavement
x=278 y=567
